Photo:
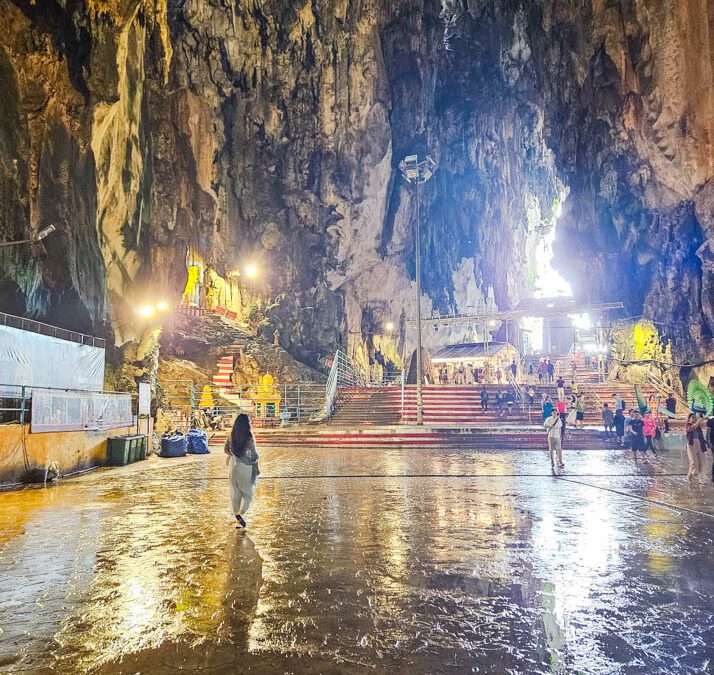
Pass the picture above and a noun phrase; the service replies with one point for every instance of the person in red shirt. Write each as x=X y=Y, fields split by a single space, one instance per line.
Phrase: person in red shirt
x=650 y=429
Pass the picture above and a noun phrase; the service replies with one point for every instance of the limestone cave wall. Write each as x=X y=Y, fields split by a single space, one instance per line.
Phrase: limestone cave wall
x=271 y=130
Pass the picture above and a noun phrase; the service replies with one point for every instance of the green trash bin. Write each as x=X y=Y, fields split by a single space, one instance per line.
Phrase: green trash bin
x=133 y=448
x=144 y=447
x=119 y=450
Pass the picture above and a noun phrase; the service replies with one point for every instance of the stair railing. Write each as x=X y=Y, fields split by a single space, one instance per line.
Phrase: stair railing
x=404 y=387
x=664 y=391
x=343 y=373
x=517 y=388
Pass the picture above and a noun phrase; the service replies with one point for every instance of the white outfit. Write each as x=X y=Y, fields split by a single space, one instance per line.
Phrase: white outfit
x=555 y=446
x=241 y=485
x=242 y=477
x=696 y=458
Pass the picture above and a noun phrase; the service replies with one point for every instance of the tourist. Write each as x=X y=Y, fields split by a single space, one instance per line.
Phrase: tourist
x=553 y=426
x=695 y=444
x=514 y=369
x=628 y=430
x=531 y=374
x=560 y=384
x=574 y=388
x=243 y=468
x=650 y=429
x=637 y=434
x=547 y=407
x=484 y=399
x=607 y=420
x=550 y=370
x=542 y=371
x=531 y=393
x=580 y=411
x=619 y=403
x=563 y=412
x=710 y=437
x=461 y=373
x=619 y=422
x=470 y=374
x=510 y=399
x=499 y=374
x=500 y=403
x=670 y=405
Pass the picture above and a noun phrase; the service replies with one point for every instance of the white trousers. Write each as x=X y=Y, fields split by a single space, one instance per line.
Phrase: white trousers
x=696 y=459
x=555 y=445
x=240 y=479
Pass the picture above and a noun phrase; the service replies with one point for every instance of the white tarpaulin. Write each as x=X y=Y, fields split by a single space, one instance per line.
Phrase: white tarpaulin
x=34 y=360
x=79 y=410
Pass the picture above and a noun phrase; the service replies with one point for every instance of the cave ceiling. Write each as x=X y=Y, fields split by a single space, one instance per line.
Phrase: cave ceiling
x=146 y=129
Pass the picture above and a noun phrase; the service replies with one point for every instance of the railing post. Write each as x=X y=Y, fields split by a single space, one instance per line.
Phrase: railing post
x=22 y=407
x=298 y=402
x=191 y=408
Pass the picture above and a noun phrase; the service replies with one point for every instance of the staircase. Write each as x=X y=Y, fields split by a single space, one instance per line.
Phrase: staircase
x=373 y=406
x=461 y=404
x=222 y=380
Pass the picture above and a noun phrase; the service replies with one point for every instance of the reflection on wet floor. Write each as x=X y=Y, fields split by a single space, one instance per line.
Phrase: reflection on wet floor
x=426 y=561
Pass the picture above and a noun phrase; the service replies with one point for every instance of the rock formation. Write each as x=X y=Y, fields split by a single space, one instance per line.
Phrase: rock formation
x=232 y=130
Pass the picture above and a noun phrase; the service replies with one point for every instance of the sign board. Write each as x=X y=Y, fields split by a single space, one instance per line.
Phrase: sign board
x=144 y=399
x=54 y=410
x=33 y=360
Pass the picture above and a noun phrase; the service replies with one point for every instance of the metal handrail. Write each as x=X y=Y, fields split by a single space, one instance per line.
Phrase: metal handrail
x=659 y=385
x=34 y=326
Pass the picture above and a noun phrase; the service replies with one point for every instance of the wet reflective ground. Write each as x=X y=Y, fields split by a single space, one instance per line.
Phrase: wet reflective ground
x=358 y=561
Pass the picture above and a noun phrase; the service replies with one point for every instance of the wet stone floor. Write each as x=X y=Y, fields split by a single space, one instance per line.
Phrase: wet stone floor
x=361 y=561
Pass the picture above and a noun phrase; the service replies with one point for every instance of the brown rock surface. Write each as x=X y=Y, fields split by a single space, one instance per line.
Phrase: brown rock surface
x=272 y=131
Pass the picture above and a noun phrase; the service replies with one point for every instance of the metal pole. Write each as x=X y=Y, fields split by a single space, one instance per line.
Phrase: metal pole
x=420 y=409
x=22 y=407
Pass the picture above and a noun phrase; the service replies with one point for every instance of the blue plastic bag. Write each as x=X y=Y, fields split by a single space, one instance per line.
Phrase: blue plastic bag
x=198 y=442
x=173 y=445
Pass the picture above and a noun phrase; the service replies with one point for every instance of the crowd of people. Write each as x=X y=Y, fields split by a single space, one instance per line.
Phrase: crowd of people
x=496 y=373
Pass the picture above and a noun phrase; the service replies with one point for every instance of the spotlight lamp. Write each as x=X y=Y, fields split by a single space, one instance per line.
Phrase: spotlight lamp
x=146 y=311
x=42 y=234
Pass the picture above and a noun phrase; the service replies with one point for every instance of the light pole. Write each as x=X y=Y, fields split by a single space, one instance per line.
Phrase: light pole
x=44 y=232
x=418 y=172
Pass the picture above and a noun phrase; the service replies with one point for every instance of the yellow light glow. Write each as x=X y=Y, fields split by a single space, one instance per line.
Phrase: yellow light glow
x=251 y=271
x=389 y=327
x=162 y=306
x=146 y=311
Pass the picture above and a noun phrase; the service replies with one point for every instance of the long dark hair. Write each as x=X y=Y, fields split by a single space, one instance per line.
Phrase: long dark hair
x=240 y=434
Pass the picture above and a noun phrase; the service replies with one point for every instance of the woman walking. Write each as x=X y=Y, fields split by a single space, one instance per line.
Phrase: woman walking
x=547 y=407
x=695 y=444
x=242 y=467
x=650 y=428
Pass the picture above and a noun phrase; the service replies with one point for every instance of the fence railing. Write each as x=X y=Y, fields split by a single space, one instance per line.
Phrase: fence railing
x=16 y=401
x=213 y=406
x=52 y=331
